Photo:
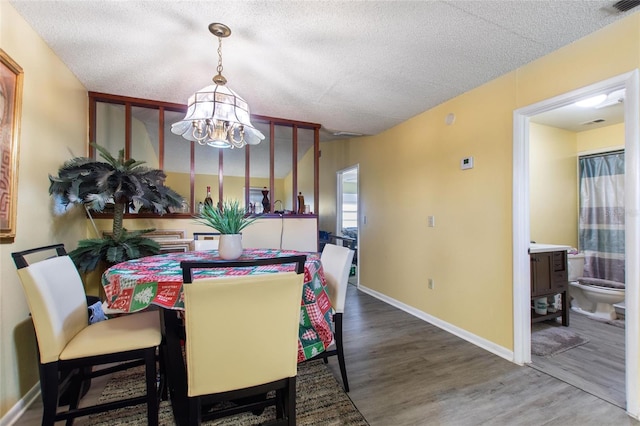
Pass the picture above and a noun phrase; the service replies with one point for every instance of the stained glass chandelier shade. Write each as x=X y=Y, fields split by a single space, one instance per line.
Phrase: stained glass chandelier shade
x=216 y=115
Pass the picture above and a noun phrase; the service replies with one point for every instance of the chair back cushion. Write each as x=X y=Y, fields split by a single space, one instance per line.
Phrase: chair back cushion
x=57 y=302
x=336 y=263
x=206 y=244
x=241 y=331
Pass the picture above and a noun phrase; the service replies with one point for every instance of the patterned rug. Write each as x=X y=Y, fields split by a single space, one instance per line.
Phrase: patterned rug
x=549 y=340
x=320 y=400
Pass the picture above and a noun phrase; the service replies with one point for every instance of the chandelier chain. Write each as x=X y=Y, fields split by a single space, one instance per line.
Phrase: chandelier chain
x=219 y=69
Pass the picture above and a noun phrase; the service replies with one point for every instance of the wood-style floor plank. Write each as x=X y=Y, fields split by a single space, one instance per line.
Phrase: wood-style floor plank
x=598 y=366
x=405 y=372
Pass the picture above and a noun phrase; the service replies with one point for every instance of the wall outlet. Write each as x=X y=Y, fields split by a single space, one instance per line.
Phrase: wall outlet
x=431 y=283
x=431 y=220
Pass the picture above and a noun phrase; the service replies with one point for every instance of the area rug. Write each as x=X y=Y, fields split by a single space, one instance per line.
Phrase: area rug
x=320 y=400
x=549 y=340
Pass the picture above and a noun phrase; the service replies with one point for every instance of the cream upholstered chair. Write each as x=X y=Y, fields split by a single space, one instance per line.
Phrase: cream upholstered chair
x=242 y=338
x=206 y=240
x=66 y=341
x=336 y=263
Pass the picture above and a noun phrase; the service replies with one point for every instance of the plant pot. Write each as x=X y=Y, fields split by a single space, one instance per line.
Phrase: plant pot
x=230 y=246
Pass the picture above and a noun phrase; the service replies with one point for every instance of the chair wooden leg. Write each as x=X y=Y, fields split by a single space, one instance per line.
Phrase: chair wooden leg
x=280 y=405
x=49 y=389
x=75 y=393
x=290 y=401
x=152 y=389
x=163 y=386
x=195 y=414
x=340 y=351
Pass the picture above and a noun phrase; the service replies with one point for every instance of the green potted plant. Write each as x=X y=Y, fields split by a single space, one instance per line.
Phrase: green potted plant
x=119 y=183
x=229 y=220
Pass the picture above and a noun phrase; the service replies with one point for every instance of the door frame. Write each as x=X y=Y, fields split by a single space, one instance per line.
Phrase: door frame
x=521 y=223
x=339 y=193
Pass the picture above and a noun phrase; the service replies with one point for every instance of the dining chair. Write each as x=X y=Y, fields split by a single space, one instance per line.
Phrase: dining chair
x=336 y=263
x=66 y=342
x=206 y=240
x=242 y=338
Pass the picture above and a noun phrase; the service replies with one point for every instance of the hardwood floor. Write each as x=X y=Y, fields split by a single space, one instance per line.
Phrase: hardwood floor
x=596 y=367
x=33 y=416
x=406 y=372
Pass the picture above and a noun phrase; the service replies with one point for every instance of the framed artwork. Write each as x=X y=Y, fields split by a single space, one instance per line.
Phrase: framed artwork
x=11 y=75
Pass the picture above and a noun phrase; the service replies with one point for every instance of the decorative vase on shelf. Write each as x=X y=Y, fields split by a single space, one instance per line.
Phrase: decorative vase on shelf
x=300 y=203
x=208 y=200
x=266 y=205
x=230 y=247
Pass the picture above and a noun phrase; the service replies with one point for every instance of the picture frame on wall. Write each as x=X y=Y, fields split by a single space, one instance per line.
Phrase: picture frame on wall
x=11 y=76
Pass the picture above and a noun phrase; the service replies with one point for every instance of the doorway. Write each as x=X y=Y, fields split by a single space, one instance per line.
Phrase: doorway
x=630 y=82
x=347 y=215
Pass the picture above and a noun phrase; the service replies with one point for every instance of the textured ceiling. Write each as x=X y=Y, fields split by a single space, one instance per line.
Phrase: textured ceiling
x=353 y=66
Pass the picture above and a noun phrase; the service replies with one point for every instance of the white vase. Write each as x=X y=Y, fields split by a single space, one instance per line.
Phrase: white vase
x=230 y=247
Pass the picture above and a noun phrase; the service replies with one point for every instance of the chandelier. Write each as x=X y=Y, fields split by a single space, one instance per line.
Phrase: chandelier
x=216 y=115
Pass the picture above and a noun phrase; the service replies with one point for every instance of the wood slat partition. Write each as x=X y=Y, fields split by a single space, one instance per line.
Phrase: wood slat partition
x=162 y=107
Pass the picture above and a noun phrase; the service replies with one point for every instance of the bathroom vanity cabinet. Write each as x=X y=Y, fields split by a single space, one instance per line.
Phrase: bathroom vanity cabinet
x=549 y=276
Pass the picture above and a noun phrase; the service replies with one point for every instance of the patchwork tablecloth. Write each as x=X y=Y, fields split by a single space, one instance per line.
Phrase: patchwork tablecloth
x=134 y=285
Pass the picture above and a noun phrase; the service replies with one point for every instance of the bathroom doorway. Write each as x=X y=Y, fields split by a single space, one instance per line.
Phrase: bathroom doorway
x=522 y=232
x=347 y=215
x=589 y=352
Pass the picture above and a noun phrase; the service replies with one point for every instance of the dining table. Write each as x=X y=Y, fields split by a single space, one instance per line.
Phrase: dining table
x=140 y=284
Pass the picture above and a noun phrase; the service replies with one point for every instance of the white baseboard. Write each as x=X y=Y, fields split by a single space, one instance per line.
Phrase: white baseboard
x=14 y=414
x=463 y=334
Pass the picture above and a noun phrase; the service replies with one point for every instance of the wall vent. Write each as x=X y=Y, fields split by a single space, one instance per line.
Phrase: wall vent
x=347 y=134
x=625 y=5
x=596 y=121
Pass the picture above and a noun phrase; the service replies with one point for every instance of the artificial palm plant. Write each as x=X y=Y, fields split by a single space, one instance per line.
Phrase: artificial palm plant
x=95 y=185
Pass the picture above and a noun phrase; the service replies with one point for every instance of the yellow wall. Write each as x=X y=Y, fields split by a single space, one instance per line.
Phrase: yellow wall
x=110 y=134
x=54 y=121
x=469 y=252
x=334 y=156
x=553 y=162
x=610 y=137
x=305 y=178
x=305 y=183
x=233 y=186
x=110 y=127
x=553 y=181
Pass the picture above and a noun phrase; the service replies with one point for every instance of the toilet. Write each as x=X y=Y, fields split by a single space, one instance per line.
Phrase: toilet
x=590 y=299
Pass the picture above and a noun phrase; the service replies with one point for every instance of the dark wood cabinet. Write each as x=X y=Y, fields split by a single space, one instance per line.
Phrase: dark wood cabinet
x=549 y=276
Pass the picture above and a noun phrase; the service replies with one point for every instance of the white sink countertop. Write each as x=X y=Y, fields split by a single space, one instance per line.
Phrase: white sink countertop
x=541 y=248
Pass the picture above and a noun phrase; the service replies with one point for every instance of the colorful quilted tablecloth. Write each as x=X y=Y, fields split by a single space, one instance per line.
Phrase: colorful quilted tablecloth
x=134 y=285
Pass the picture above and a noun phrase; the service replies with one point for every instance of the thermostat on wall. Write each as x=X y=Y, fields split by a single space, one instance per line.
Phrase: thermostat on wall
x=466 y=163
